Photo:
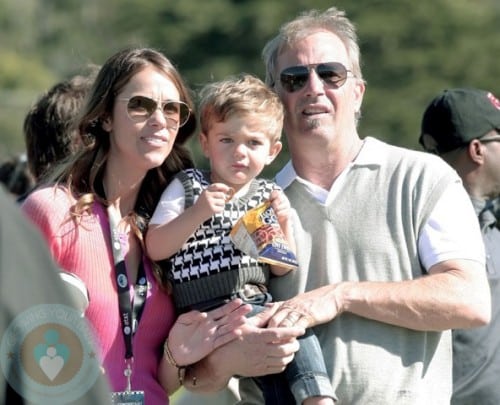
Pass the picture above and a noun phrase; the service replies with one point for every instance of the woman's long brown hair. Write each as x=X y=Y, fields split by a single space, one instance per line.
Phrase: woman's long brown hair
x=82 y=173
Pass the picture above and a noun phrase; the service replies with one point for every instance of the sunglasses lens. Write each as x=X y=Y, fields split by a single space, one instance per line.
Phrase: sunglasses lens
x=176 y=111
x=140 y=107
x=332 y=73
x=294 y=78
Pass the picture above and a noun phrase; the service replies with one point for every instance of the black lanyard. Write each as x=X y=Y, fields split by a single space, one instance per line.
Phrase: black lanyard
x=130 y=312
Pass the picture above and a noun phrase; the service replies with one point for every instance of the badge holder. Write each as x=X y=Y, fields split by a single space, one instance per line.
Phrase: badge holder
x=128 y=397
x=130 y=314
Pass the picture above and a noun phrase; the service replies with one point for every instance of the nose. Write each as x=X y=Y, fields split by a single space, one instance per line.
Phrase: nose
x=159 y=108
x=158 y=117
x=239 y=149
x=314 y=84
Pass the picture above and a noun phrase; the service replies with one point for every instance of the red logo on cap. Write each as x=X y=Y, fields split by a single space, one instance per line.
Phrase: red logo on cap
x=494 y=101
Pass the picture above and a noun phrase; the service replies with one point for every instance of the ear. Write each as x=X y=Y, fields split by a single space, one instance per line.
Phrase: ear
x=204 y=144
x=107 y=124
x=475 y=150
x=359 y=91
x=273 y=151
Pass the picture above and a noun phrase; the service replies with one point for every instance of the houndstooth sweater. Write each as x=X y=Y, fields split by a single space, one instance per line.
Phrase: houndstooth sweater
x=208 y=265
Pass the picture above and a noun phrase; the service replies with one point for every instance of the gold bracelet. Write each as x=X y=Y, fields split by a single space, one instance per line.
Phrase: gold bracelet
x=168 y=355
x=181 y=370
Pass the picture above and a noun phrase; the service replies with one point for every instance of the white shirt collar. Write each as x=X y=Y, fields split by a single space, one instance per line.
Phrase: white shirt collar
x=286 y=175
x=370 y=153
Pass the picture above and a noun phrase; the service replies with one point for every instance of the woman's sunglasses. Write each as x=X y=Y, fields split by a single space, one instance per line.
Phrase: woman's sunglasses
x=140 y=108
x=332 y=73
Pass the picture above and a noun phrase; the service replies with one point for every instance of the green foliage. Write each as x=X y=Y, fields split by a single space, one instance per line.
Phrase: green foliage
x=21 y=77
x=410 y=49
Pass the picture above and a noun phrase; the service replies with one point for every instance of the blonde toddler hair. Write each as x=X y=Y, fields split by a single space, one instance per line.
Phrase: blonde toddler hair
x=243 y=94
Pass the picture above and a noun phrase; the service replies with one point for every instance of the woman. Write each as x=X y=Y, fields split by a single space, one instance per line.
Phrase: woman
x=137 y=117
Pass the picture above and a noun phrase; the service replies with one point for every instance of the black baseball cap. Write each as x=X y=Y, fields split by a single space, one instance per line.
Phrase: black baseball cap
x=457 y=116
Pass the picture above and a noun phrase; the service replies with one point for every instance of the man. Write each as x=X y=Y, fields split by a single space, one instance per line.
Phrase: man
x=462 y=126
x=386 y=270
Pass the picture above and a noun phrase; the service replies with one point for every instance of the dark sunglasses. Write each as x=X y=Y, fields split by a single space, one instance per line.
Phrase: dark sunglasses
x=430 y=145
x=295 y=77
x=140 y=108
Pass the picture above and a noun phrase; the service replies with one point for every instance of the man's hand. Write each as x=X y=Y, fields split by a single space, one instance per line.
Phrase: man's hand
x=308 y=309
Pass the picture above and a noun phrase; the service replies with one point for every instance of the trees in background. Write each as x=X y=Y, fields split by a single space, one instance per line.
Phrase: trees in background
x=410 y=50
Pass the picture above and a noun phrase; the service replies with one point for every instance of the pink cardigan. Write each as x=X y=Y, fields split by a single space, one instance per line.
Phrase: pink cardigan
x=86 y=251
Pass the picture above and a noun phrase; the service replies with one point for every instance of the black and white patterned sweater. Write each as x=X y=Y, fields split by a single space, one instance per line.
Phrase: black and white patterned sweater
x=208 y=265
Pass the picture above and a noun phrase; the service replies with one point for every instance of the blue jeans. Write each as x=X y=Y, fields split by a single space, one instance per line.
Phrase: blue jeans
x=304 y=377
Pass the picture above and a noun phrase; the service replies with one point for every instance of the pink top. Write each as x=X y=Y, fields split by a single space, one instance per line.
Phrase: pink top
x=86 y=251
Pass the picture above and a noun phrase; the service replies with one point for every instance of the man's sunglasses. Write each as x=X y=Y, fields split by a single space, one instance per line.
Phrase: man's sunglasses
x=140 y=108
x=430 y=145
x=295 y=77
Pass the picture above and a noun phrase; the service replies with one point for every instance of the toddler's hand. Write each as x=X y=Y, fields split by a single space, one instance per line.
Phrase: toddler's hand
x=281 y=206
x=213 y=199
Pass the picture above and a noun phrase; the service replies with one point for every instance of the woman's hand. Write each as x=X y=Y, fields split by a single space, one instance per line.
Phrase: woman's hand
x=257 y=351
x=196 y=334
x=260 y=351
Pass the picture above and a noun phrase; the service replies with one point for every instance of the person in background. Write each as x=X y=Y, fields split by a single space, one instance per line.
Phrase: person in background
x=462 y=125
x=29 y=280
x=49 y=126
x=16 y=177
x=94 y=210
x=386 y=269
x=241 y=122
